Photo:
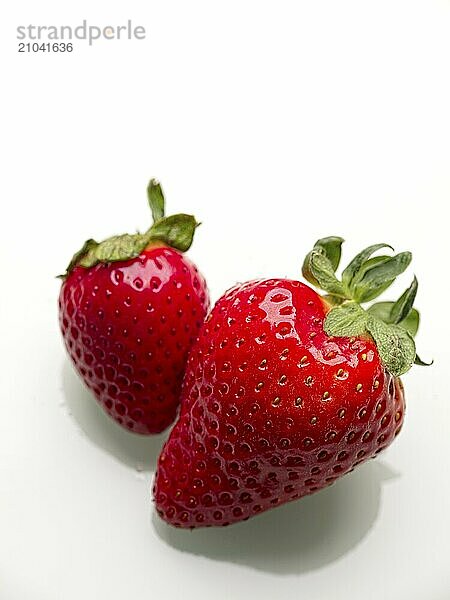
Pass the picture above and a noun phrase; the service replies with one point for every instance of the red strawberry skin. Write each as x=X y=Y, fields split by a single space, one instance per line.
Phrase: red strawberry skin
x=128 y=327
x=273 y=409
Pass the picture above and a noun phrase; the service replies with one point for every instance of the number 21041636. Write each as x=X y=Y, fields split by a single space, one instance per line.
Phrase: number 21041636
x=45 y=47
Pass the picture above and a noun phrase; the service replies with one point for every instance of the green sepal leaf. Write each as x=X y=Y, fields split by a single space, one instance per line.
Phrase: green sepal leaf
x=352 y=270
x=395 y=345
x=378 y=278
x=306 y=271
x=322 y=270
x=391 y=324
x=176 y=231
x=86 y=247
x=347 y=320
x=421 y=363
x=369 y=264
x=156 y=199
x=404 y=304
x=331 y=248
x=118 y=247
x=383 y=310
x=411 y=323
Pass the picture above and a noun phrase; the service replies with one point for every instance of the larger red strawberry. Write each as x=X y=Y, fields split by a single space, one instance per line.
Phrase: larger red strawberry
x=286 y=391
x=129 y=309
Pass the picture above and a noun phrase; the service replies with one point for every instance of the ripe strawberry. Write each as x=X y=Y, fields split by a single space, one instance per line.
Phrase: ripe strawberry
x=285 y=390
x=129 y=309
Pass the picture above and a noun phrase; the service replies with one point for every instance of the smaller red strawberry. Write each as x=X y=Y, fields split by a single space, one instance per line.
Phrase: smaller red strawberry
x=130 y=307
x=285 y=390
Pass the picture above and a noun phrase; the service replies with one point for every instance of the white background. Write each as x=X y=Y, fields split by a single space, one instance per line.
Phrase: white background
x=275 y=123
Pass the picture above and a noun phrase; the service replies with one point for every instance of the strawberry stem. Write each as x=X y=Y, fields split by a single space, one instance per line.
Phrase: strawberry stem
x=156 y=199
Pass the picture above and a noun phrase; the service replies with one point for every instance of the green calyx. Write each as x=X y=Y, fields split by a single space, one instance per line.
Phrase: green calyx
x=176 y=231
x=392 y=325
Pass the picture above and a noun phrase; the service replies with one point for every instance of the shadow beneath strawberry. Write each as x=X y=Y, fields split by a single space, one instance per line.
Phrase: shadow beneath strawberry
x=138 y=452
x=298 y=537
